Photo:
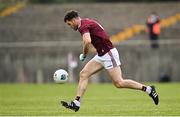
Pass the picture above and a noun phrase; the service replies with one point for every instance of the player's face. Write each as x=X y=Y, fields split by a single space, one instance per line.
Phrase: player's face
x=73 y=24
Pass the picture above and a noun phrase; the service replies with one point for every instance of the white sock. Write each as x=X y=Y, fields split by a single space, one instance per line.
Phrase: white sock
x=148 y=89
x=77 y=103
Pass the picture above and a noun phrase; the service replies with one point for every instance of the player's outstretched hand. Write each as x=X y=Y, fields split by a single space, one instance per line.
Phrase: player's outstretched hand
x=82 y=57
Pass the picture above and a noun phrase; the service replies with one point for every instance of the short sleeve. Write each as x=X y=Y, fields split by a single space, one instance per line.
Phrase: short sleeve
x=83 y=30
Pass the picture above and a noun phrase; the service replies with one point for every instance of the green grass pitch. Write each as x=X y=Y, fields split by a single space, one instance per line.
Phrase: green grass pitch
x=99 y=100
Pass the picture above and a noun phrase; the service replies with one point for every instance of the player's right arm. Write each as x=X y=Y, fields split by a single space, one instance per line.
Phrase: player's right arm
x=86 y=41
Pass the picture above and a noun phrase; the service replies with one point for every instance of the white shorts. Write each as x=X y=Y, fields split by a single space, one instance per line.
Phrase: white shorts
x=109 y=60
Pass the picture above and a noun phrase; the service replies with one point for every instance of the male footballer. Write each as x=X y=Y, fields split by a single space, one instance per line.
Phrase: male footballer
x=107 y=57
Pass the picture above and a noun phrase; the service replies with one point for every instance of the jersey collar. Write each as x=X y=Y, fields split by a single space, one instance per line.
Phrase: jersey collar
x=79 y=25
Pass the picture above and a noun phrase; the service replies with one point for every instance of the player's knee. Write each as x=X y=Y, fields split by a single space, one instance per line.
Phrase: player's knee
x=83 y=74
x=119 y=84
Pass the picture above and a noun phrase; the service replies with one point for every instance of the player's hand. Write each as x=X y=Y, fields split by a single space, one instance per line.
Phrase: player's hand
x=82 y=57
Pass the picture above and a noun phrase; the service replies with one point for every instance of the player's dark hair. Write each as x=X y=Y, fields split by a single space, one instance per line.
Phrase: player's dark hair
x=70 y=15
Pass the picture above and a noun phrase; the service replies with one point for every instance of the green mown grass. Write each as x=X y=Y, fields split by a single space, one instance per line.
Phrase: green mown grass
x=100 y=99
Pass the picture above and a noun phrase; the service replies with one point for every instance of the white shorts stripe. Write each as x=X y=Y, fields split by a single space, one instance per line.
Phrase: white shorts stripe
x=112 y=59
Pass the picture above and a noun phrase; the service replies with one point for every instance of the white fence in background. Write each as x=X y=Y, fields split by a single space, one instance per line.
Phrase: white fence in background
x=78 y=43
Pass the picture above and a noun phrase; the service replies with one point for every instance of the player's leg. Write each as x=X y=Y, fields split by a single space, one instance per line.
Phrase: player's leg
x=116 y=76
x=90 y=68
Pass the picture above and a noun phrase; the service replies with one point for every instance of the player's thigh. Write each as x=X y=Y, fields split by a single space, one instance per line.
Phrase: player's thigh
x=115 y=74
x=91 y=68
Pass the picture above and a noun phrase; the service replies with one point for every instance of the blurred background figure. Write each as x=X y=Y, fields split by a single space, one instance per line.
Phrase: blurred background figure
x=72 y=64
x=153 y=29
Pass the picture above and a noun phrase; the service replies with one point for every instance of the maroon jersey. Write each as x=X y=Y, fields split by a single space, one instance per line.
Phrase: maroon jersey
x=99 y=38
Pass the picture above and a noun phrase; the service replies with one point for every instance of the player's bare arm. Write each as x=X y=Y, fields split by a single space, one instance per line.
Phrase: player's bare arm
x=86 y=41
